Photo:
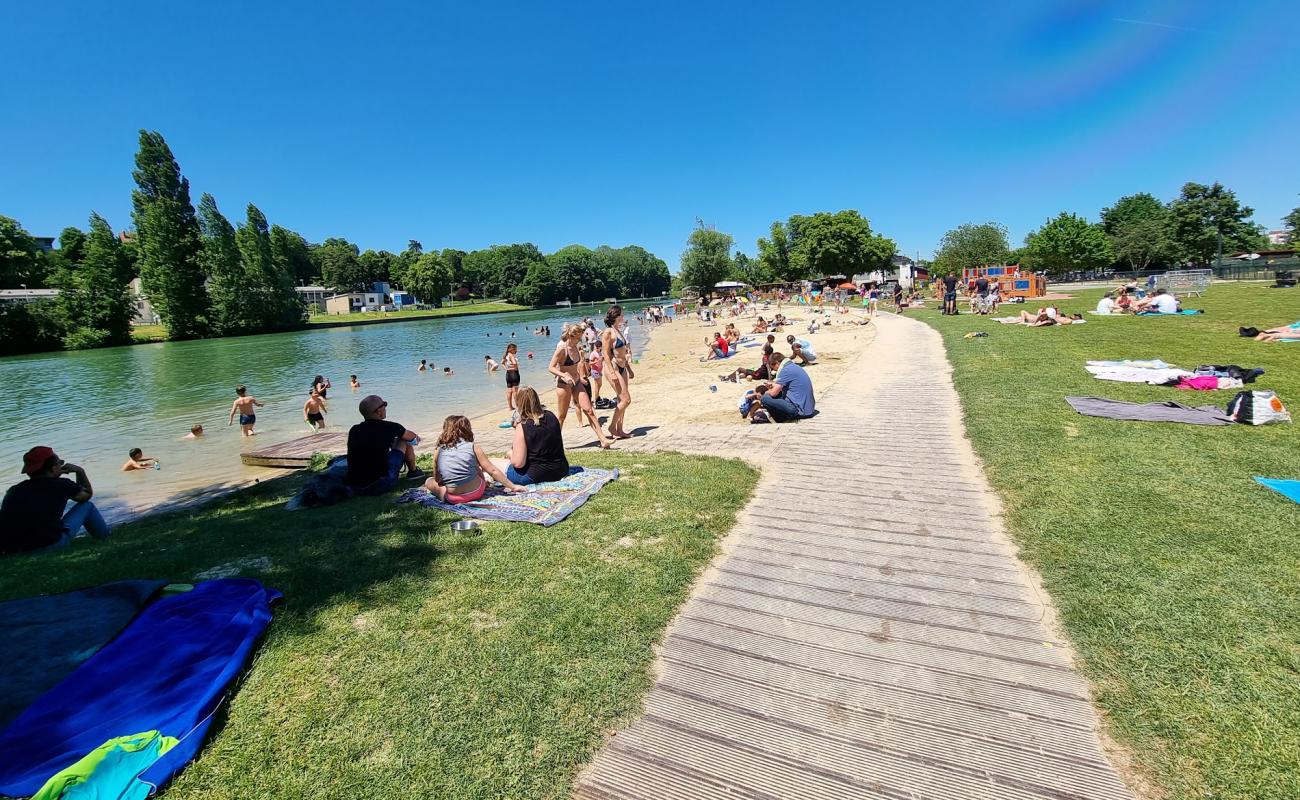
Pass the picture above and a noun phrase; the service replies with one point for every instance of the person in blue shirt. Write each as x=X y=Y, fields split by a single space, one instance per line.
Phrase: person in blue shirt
x=791 y=394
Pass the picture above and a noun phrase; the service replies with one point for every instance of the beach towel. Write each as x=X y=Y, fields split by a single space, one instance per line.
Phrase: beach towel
x=43 y=639
x=1207 y=383
x=1169 y=314
x=545 y=504
x=1287 y=488
x=1152 y=375
x=167 y=672
x=1136 y=363
x=1149 y=412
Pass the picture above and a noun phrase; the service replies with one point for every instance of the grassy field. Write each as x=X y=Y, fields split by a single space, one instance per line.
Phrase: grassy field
x=464 y=307
x=143 y=334
x=1177 y=577
x=411 y=662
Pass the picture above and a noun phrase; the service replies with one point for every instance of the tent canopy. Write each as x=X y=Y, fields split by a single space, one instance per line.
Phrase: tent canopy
x=729 y=285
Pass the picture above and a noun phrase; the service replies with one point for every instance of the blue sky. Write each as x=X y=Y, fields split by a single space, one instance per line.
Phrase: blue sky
x=469 y=124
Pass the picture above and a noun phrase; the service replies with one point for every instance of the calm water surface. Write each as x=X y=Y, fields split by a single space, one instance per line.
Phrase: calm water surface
x=93 y=406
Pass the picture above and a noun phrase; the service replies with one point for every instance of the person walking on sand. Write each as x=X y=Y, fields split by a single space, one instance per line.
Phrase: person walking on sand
x=511 y=362
x=618 y=368
x=246 y=407
x=569 y=382
x=313 y=411
x=32 y=515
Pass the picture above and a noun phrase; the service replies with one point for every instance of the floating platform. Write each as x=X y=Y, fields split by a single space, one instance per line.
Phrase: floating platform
x=297 y=453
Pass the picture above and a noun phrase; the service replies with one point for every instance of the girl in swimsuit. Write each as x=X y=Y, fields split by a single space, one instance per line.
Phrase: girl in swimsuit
x=511 y=362
x=618 y=369
x=569 y=384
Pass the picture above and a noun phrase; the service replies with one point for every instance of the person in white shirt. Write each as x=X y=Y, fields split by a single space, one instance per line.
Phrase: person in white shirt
x=1166 y=303
x=1106 y=305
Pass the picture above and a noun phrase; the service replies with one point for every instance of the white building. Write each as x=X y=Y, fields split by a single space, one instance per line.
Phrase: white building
x=27 y=295
x=1279 y=237
x=313 y=296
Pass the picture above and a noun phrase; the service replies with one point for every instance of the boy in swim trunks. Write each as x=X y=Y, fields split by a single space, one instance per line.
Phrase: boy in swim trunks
x=313 y=411
x=245 y=407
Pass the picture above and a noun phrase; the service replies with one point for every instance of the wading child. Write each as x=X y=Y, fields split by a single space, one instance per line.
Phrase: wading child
x=246 y=407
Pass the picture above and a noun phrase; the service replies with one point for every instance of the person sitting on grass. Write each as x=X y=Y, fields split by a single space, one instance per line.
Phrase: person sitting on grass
x=32 y=515
x=136 y=459
x=1123 y=301
x=378 y=448
x=537 y=447
x=461 y=468
x=790 y=397
x=1162 y=302
x=1286 y=333
x=1106 y=305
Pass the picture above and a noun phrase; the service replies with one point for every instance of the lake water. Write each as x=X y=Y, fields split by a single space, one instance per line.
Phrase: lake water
x=93 y=406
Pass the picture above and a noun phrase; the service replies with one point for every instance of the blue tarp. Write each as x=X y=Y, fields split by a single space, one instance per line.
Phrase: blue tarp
x=43 y=639
x=1286 y=488
x=168 y=671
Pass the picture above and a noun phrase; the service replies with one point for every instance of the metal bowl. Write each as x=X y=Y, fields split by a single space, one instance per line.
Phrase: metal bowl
x=467 y=526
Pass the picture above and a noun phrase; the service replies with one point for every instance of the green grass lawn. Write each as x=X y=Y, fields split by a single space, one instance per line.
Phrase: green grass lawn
x=1177 y=577
x=462 y=307
x=411 y=662
x=143 y=334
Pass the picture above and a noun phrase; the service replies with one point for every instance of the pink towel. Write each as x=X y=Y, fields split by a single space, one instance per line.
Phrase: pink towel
x=1204 y=383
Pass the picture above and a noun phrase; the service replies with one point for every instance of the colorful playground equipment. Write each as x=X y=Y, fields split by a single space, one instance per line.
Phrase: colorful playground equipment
x=1011 y=281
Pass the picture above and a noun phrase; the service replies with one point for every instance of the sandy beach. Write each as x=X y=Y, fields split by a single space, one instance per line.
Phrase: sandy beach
x=673 y=407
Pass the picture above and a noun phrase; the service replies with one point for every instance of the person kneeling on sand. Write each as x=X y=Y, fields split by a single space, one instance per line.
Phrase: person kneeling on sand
x=790 y=396
x=32 y=516
x=460 y=467
x=377 y=449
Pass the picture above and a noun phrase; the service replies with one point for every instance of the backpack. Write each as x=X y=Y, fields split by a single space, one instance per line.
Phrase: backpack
x=1257 y=408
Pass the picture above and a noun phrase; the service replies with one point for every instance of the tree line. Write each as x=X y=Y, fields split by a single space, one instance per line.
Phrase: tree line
x=205 y=276
x=1138 y=232
x=803 y=246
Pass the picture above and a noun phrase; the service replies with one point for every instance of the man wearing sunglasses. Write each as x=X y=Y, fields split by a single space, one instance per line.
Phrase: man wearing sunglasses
x=32 y=516
x=377 y=449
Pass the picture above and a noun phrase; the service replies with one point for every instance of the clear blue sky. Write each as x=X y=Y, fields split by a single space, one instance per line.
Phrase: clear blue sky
x=468 y=124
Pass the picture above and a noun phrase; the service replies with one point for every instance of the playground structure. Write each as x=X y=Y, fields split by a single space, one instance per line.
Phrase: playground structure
x=1010 y=280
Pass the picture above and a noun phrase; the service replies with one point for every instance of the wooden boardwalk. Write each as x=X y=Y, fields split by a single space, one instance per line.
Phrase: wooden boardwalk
x=869 y=632
x=296 y=453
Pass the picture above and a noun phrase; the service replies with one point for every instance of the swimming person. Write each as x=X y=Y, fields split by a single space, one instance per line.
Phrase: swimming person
x=313 y=411
x=196 y=432
x=424 y=366
x=459 y=467
x=569 y=382
x=136 y=459
x=32 y=515
x=537 y=447
x=447 y=371
x=511 y=362
x=356 y=384
x=246 y=407
x=617 y=368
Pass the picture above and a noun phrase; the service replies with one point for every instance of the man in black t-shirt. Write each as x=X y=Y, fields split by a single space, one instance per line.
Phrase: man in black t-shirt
x=980 y=301
x=32 y=518
x=377 y=449
x=950 y=294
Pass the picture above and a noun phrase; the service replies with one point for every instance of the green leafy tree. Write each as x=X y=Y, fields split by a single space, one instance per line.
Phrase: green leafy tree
x=540 y=286
x=1292 y=223
x=501 y=269
x=751 y=270
x=72 y=245
x=636 y=272
x=707 y=258
x=167 y=233
x=275 y=303
x=96 y=303
x=1138 y=227
x=579 y=278
x=20 y=259
x=292 y=254
x=972 y=245
x=404 y=260
x=229 y=286
x=31 y=327
x=1201 y=214
x=839 y=243
x=429 y=278
x=464 y=282
x=1068 y=242
x=775 y=257
x=377 y=265
x=340 y=266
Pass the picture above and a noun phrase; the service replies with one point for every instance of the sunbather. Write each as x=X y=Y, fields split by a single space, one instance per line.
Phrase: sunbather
x=1286 y=333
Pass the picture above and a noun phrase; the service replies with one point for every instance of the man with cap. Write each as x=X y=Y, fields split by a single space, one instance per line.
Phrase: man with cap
x=377 y=449
x=32 y=516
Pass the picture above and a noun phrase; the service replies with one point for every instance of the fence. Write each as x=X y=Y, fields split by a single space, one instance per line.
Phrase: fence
x=1188 y=281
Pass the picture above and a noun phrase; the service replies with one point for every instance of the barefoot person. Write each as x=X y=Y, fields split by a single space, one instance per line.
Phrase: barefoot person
x=136 y=459
x=32 y=515
x=313 y=411
x=569 y=382
x=490 y=365
x=537 y=448
x=511 y=362
x=790 y=397
x=246 y=407
x=460 y=466
x=618 y=368
x=378 y=448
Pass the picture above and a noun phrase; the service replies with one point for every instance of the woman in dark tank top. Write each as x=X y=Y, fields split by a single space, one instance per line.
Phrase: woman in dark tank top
x=537 y=452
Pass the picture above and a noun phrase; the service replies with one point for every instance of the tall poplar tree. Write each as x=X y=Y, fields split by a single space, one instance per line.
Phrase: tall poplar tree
x=95 y=299
x=274 y=303
x=168 y=236
x=228 y=285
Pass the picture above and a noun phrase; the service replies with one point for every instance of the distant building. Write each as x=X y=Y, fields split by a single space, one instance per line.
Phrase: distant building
x=27 y=295
x=351 y=302
x=144 y=313
x=313 y=296
x=1279 y=237
x=44 y=243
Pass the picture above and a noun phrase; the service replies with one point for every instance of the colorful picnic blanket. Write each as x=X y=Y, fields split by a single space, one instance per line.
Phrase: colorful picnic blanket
x=43 y=639
x=545 y=503
x=167 y=672
x=1286 y=488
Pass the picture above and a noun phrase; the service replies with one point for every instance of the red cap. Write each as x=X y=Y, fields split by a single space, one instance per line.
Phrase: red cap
x=34 y=459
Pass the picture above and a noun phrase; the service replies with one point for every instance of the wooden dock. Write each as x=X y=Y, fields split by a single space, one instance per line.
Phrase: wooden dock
x=297 y=453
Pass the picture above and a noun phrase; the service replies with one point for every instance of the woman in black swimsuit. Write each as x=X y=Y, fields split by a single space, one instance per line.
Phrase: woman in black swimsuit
x=618 y=368
x=569 y=384
x=511 y=362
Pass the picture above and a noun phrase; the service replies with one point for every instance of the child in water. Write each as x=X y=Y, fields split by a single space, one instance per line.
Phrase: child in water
x=246 y=407
x=196 y=432
x=423 y=366
x=491 y=365
x=446 y=371
x=356 y=384
x=136 y=459
x=313 y=411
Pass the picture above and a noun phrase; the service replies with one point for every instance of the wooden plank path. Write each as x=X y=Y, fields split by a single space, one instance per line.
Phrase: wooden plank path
x=297 y=453
x=869 y=632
